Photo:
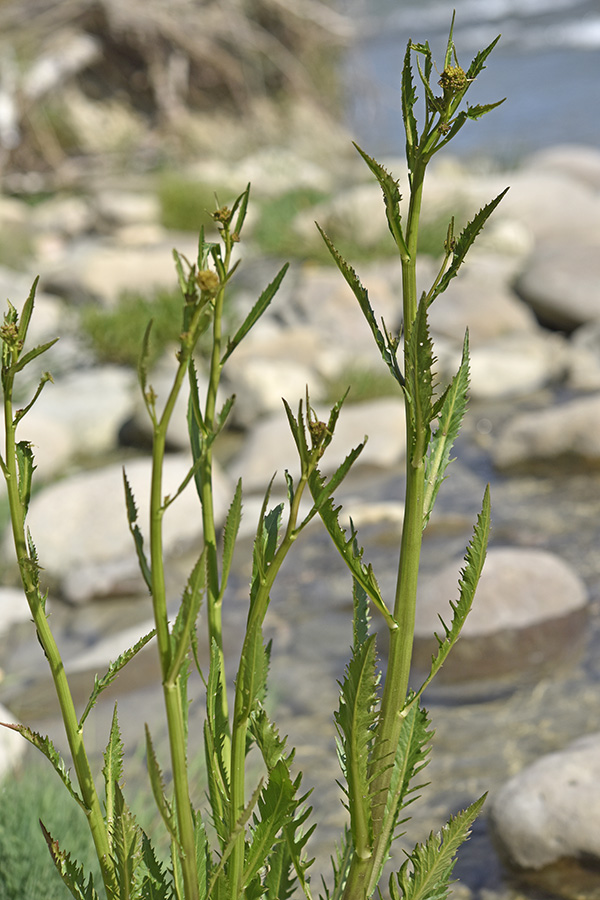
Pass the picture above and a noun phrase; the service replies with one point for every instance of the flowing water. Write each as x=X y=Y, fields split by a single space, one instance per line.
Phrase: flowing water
x=547 y=65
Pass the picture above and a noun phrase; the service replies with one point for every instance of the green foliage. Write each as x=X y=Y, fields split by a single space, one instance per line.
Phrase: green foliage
x=274 y=231
x=259 y=839
x=29 y=795
x=185 y=203
x=115 y=334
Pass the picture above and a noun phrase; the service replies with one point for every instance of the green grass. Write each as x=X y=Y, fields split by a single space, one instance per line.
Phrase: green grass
x=365 y=384
x=116 y=334
x=26 y=869
x=185 y=204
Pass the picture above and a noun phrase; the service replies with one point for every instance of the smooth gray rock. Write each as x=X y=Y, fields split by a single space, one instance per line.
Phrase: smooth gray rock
x=561 y=281
x=80 y=529
x=530 y=609
x=551 y=810
x=566 y=432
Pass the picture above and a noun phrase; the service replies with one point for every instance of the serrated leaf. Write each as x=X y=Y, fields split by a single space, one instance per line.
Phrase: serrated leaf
x=391 y=199
x=274 y=811
x=138 y=539
x=32 y=354
x=142 y=363
x=156 y=884
x=479 y=59
x=255 y=313
x=158 y=788
x=100 y=684
x=449 y=416
x=464 y=242
x=71 y=873
x=426 y=873
x=468 y=581
x=45 y=378
x=230 y=533
x=232 y=838
x=240 y=204
x=340 y=865
x=419 y=382
x=346 y=546
x=355 y=719
x=126 y=841
x=387 y=350
x=27 y=310
x=410 y=757
x=409 y=98
x=479 y=110
x=361 y=616
x=45 y=745
x=113 y=768
x=25 y=469
x=187 y=615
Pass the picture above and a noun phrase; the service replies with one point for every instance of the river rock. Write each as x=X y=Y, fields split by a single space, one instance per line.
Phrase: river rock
x=550 y=811
x=102 y=270
x=270 y=447
x=12 y=744
x=13 y=609
x=584 y=359
x=530 y=611
x=567 y=432
x=481 y=299
x=80 y=529
x=79 y=416
x=517 y=364
x=561 y=279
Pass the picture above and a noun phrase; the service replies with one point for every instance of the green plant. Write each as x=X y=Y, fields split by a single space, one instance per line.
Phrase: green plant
x=185 y=203
x=260 y=826
x=115 y=334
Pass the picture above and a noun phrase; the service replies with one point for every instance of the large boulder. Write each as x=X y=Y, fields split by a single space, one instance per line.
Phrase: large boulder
x=80 y=528
x=530 y=611
x=550 y=811
x=12 y=745
x=561 y=281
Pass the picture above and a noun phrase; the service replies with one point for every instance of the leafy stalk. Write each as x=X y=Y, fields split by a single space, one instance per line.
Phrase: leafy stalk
x=432 y=425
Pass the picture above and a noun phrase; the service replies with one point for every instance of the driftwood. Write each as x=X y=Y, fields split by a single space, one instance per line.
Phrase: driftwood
x=159 y=58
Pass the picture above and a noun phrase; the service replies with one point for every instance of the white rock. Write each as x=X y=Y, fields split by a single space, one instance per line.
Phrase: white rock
x=561 y=281
x=519 y=587
x=79 y=525
x=271 y=448
x=14 y=608
x=551 y=810
x=517 y=364
x=584 y=358
x=530 y=612
x=12 y=744
x=570 y=429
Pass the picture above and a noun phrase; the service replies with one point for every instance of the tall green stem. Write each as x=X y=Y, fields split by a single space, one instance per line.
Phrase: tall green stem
x=36 y=605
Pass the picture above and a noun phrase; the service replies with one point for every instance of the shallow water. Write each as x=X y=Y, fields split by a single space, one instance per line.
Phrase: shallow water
x=546 y=64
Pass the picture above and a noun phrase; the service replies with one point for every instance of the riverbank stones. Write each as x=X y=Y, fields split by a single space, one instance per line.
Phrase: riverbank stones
x=79 y=526
x=550 y=811
x=567 y=433
x=529 y=613
x=12 y=744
